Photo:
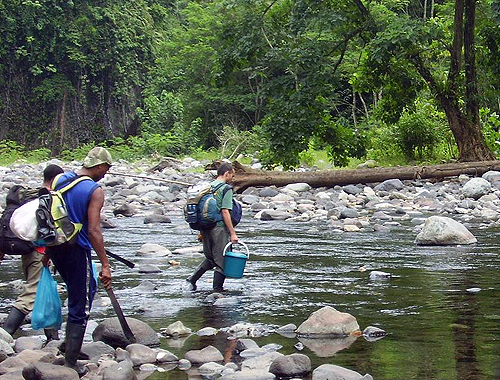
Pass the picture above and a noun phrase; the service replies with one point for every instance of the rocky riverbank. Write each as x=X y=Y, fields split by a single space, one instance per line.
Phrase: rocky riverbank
x=372 y=208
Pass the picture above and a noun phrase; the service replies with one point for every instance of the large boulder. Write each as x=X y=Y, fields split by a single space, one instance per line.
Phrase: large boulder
x=331 y=371
x=110 y=332
x=441 y=230
x=328 y=322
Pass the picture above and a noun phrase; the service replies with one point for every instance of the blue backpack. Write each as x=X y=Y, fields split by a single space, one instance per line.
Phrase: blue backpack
x=201 y=211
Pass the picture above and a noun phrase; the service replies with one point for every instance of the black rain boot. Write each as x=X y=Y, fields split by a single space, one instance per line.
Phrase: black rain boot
x=14 y=320
x=51 y=334
x=218 y=281
x=202 y=268
x=74 y=340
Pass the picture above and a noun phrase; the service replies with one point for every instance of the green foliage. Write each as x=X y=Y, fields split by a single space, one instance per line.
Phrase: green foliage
x=11 y=151
x=160 y=113
x=490 y=122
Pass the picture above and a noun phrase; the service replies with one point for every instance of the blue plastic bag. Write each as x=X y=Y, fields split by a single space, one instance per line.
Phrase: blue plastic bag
x=47 y=309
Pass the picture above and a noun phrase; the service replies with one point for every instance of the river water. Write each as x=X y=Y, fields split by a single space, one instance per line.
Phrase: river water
x=440 y=308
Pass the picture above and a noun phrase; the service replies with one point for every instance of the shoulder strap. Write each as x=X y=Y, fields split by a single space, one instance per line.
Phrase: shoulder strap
x=69 y=183
x=226 y=189
x=218 y=187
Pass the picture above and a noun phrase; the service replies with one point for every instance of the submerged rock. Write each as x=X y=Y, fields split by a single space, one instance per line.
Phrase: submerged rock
x=328 y=322
x=110 y=331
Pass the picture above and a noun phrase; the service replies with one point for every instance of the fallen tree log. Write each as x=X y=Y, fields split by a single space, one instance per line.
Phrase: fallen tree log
x=246 y=177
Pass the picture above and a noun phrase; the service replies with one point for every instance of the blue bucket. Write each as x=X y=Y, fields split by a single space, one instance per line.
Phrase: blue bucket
x=234 y=262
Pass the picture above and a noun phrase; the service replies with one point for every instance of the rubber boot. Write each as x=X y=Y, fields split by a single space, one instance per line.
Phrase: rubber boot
x=14 y=320
x=51 y=334
x=74 y=340
x=202 y=268
x=218 y=281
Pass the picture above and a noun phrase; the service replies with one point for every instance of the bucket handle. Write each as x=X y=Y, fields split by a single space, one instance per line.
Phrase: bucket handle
x=239 y=242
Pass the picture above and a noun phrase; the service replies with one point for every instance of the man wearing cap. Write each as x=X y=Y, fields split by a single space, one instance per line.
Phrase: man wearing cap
x=84 y=202
x=32 y=264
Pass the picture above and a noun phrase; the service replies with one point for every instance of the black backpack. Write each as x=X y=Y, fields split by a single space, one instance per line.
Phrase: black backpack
x=9 y=243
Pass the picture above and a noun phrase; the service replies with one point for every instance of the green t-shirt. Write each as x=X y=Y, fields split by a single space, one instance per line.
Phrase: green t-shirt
x=223 y=202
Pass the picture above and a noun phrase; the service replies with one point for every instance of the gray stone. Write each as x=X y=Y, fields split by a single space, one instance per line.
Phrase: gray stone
x=125 y=209
x=152 y=249
x=164 y=356
x=274 y=215
x=441 y=230
x=6 y=347
x=149 y=268
x=335 y=372
x=31 y=356
x=268 y=192
x=119 y=371
x=14 y=375
x=248 y=375
x=27 y=343
x=110 y=331
x=476 y=188
x=95 y=350
x=151 y=219
x=176 y=329
x=352 y=189
x=246 y=344
x=207 y=331
x=327 y=347
x=12 y=363
x=291 y=365
x=206 y=355
x=327 y=321
x=4 y=335
x=389 y=185
x=47 y=371
x=262 y=362
x=141 y=354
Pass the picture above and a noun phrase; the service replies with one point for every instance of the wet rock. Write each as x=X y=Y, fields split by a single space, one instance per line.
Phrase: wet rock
x=121 y=354
x=46 y=371
x=330 y=371
x=246 y=344
x=6 y=347
x=184 y=364
x=141 y=354
x=262 y=362
x=125 y=209
x=291 y=365
x=327 y=321
x=27 y=343
x=151 y=249
x=441 y=230
x=476 y=188
x=164 y=356
x=106 y=223
x=151 y=219
x=372 y=333
x=207 y=331
x=95 y=350
x=176 y=329
x=119 y=371
x=252 y=352
x=4 y=335
x=149 y=268
x=249 y=375
x=287 y=330
x=145 y=286
x=270 y=214
x=209 y=370
x=206 y=355
x=186 y=250
x=110 y=331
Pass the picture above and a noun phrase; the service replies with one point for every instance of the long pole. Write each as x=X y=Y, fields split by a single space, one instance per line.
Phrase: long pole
x=151 y=178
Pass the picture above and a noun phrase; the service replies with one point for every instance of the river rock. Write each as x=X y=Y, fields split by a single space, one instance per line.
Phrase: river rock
x=206 y=331
x=327 y=321
x=176 y=329
x=389 y=185
x=271 y=214
x=206 y=355
x=268 y=192
x=441 y=230
x=262 y=362
x=152 y=249
x=141 y=354
x=164 y=356
x=11 y=364
x=209 y=370
x=4 y=335
x=125 y=209
x=46 y=371
x=27 y=343
x=32 y=356
x=155 y=218
x=372 y=333
x=110 y=332
x=95 y=350
x=149 y=268
x=186 y=250
x=6 y=347
x=246 y=344
x=491 y=176
x=119 y=371
x=291 y=365
x=476 y=188
x=298 y=187
x=247 y=374
x=331 y=371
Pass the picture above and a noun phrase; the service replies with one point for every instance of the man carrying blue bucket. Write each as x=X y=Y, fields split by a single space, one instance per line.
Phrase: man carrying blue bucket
x=215 y=239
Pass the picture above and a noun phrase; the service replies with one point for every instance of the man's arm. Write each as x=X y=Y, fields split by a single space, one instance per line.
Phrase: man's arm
x=95 y=234
x=226 y=217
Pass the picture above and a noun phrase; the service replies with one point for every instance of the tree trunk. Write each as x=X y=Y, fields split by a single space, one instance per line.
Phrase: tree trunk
x=246 y=177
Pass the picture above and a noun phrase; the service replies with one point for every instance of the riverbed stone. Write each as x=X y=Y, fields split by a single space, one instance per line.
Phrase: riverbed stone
x=291 y=365
x=149 y=268
x=6 y=347
x=125 y=209
x=155 y=218
x=110 y=331
x=328 y=321
x=47 y=371
x=152 y=249
x=247 y=374
x=476 y=188
x=298 y=187
x=141 y=354
x=95 y=350
x=12 y=363
x=27 y=343
x=268 y=192
x=331 y=371
x=119 y=371
x=261 y=362
x=176 y=329
x=32 y=356
x=389 y=185
x=4 y=335
x=441 y=230
x=205 y=355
